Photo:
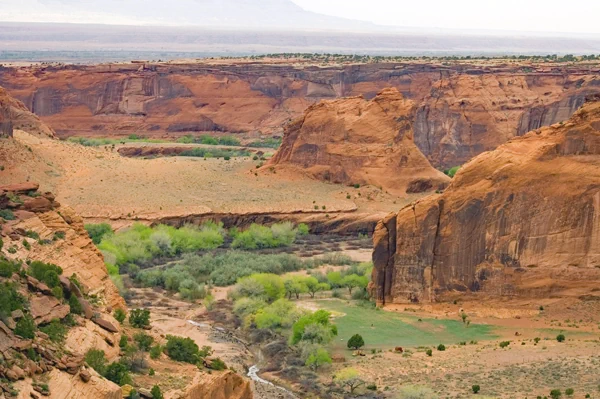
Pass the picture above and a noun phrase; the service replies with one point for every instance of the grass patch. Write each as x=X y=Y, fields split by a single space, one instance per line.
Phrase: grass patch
x=387 y=329
x=214 y=153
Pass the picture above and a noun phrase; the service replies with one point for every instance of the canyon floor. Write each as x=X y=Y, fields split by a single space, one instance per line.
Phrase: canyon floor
x=102 y=185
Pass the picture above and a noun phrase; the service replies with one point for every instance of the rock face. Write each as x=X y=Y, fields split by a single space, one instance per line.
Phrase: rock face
x=15 y=115
x=355 y=141
x=462 y=109
x=523 y=220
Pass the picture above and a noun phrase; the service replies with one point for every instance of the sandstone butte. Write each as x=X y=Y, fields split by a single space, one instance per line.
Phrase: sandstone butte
x=463 y=109
x=63 y=241
x=521 y=221
x=355 y=141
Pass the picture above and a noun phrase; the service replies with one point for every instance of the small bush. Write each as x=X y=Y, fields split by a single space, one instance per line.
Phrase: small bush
x=560 y=338
x=182 y=349
x=218 y=365
x=55 y=330
x=75 y=305
x=118 y=373
x=155 y=352
x=7 y=214
x=26 y=244
x=123 y=341
x=96 y=359
x=26 y=327
x=372 y=387
x=441 y=347
x=7 y=268
x=569 y=392
x=429 y=352
x=156 y=392
x=144 y=341
x=139 y=318
x=476 y=388
x=555 y=394
x=504 y=344
x=120 y=315
x=97 y=232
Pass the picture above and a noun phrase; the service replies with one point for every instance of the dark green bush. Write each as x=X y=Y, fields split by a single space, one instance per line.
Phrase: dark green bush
x=7 y=214
x=139 y=318
x=75 y=305
x=555 y=393
x=429 y=352
x=7 y=268
x=46 y=272
x=123 y=341
x=156 y=392
x=441 y=347
x=55 y=330
x=218 y=365
x=155 y=352
x=476 y=388
x=560 y=338
x=144 y=341
x=182 y=349
x=504 y=344
x=120 y=315
x=118 y=373
x=26 y=327
x=97 y=232
x=11 y=299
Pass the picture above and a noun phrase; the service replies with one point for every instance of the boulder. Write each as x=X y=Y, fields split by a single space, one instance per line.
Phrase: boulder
x=46 y=308
x=85 y=375
x=20 y=188
x=107 y=325
x=38 y=205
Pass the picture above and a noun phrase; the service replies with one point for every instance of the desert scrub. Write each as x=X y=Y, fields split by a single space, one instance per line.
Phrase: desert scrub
x=258 y=236
x=214 y=153
x=222 y=269
x=141 y=243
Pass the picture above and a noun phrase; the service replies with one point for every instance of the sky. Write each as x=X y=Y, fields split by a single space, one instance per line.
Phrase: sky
x=575 y=16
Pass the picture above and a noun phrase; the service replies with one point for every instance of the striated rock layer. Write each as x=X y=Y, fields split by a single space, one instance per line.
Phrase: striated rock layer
x=462 y=109
x=523 y=220
x=355 y=141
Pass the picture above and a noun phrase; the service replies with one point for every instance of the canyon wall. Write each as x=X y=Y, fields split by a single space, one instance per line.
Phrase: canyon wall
x=462 y=109
x=355 y=141
x=522 y=220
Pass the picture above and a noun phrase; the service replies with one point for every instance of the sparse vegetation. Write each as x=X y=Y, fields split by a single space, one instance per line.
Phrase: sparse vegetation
x=139 y=318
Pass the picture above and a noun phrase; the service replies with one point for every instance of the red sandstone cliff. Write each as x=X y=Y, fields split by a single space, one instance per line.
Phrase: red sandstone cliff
x=523 y=220
x=462 y=109
x=355 y=141
x=15 y=115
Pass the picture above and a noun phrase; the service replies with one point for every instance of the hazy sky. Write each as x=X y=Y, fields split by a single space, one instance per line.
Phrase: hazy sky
x=577 y=16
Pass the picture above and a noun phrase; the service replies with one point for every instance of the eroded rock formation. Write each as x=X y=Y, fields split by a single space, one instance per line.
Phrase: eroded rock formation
x=15 y=115
x=523 y=220
x=463 y=109
x=355 y=141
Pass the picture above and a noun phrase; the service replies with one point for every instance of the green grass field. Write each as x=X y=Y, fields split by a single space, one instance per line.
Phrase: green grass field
x=381 y=329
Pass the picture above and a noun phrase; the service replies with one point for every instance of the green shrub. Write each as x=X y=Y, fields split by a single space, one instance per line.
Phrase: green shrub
x=303 y=229
x=452 y=171
x=569 y=391
x=7 y=268
x=120 y=315
x=320 y=317
x=123 y=341
x=26 y=244
x=441 y=347
x=96 y=359
x=55 y=330
x=26 y=327
x=560 y=338
x=372 y=387
x=75 y=305
x=429 y=352
x=118 y=373
x=504 y=344
x=182 y=349
x=11 y=299
x=98 y=232
x=555 y=394
x=46 y=272
x=59 y=235
x=218 y=365
x=156 y=392
x=144 y=341
x=258 y=236
x=476 y=388
x=356 y=342
x=155 y=352
x=318 y=358
x=7 y=214
x=139 y=318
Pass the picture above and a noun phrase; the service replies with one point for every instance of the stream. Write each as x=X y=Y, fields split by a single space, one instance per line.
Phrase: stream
x=254 y=370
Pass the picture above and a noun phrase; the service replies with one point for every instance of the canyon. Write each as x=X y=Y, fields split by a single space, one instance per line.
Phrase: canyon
x=462 y=108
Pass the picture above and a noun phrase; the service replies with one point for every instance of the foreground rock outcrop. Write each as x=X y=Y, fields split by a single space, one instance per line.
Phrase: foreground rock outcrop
x=355 y=141
x=523 y=220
